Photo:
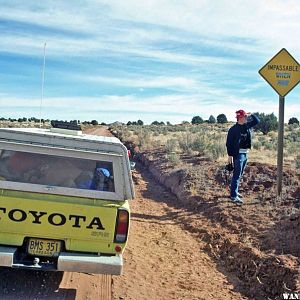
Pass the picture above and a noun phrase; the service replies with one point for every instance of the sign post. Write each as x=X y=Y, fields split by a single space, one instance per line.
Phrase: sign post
x=282 y=72
x=280 y=146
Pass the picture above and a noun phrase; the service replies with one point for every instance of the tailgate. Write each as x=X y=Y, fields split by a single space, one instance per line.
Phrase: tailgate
x=88 y=226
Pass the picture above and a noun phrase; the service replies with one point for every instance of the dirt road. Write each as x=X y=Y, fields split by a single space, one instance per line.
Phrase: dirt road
x=28 y=285
x=162 y=260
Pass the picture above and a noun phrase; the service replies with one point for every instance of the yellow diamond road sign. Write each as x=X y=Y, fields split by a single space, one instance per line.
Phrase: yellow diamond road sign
x=282 y=72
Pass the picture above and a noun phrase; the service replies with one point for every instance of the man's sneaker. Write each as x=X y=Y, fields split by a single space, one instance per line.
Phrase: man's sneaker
x=239 y=195
x=237 y=200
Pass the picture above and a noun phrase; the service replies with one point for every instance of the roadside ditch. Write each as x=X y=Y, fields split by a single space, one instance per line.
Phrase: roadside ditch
x=234 y=236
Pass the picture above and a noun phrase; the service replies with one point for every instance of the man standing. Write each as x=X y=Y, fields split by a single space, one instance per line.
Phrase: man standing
x=238 y=145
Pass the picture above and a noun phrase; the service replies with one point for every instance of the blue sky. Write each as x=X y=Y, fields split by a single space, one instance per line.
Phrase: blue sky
x=151 y=60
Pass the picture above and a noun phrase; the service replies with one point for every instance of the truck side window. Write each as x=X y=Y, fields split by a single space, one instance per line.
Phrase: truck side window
x=43 y=169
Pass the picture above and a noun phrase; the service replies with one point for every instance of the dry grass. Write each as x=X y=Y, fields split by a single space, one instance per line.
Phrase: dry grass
x=205 y=139
x=209 y=140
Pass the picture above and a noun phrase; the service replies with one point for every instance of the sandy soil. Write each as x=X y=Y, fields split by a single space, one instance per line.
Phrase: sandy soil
x=164 y=261
x=99 y=130
x=257 y=242
x=29 y=285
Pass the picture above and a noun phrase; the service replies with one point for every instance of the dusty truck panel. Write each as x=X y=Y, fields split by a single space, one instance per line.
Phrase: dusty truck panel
x=64 y=200
x=86 y=147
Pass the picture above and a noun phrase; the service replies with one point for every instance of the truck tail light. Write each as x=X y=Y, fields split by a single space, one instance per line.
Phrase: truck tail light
x=121 y=226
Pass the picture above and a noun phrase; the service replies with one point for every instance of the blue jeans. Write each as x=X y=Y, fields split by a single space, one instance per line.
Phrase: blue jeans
x=239 y=164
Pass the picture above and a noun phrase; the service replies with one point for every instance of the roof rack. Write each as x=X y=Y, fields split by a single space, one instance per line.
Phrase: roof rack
x=66 y=125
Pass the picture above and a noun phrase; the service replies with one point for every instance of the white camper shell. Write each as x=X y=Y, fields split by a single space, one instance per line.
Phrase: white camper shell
x=64 y=162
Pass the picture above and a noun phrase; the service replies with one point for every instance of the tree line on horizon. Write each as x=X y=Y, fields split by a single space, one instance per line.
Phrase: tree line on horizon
x=268 y=122
x=36 y=120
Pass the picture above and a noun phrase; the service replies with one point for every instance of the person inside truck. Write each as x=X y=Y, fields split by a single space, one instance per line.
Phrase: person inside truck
x=35 y=168
x=100 y=180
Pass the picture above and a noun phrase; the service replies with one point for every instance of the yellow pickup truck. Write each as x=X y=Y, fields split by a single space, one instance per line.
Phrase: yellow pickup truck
x=63 y=200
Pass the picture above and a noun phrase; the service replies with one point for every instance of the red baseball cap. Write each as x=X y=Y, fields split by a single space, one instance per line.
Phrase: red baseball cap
x=241 y=113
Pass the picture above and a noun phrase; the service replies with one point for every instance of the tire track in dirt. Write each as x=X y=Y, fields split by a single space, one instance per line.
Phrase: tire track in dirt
x=28 y=285
x=162 y=260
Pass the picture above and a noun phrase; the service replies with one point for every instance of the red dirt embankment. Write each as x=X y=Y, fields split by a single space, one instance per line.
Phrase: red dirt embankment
x=163 y=260
x=258 y=241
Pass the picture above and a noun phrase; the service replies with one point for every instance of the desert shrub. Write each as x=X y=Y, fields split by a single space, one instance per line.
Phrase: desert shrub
x=173 y=158
x=185 y=123
x=123 y=134
x=171 y=145
x=293 y=148
x=144 y=140
x=94 y=122
x=164 y=130
x=216 y=150
x=262 y=139
x=136 y=130
x=210 y=145
x=199 y=144
x=297 y=161
x=211 y=120
x=293 y=121
x=221 y=119
x=22 y=120
x=224 y=130
x=292 y=128
x=185 y=141
x=195 y=129
x=265 y=143
x=190 y=152
x=270 y=145
x=293 y=137
x=257 y=145
x=197 y=120
x=273 y=135
x=268 y=122
x=157 y=123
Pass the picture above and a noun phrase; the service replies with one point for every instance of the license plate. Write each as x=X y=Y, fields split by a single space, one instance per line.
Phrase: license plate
x=43 y=247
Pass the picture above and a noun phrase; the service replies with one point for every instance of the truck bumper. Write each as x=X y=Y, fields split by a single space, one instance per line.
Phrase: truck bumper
x=67 y=261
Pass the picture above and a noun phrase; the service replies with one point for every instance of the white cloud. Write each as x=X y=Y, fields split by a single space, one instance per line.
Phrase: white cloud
x=270 y=21
x=163 y=108
x=181 y=33
x=175 y=82
x=52 y=14
x=58 y=47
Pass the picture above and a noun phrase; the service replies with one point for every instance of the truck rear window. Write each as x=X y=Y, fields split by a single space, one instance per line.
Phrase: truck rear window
x=52 y=170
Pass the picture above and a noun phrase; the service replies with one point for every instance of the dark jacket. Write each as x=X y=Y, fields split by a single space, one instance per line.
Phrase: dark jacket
x=234 y=135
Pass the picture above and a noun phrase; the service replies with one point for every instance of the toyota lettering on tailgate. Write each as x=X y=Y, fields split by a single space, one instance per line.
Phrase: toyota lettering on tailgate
x=55 y=219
